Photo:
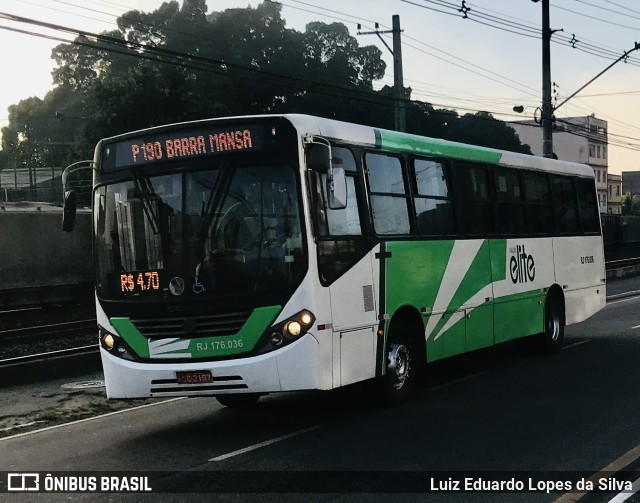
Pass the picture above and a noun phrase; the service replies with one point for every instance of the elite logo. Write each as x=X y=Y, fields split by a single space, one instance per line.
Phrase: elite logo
x=522 y=267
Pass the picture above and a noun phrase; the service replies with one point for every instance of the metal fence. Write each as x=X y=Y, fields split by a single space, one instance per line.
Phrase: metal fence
x=42 y=184
x=620 y=230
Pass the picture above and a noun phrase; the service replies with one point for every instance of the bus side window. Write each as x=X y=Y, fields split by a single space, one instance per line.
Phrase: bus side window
x=588 y=205
x=564 y=204
x=433 y=201
x=473 y=195
x=388 y=194
x=509 y=207
x=341 y=242
x=538 y=203
x=346 y=221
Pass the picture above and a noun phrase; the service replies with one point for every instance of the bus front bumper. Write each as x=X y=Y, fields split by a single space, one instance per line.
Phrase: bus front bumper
x=297 y=366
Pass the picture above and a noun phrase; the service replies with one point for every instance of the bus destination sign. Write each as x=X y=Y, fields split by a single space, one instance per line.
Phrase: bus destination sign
x=173 y=146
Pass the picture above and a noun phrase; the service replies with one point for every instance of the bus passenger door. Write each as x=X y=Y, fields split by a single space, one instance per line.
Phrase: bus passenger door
x=345 y=264
x=354 y=314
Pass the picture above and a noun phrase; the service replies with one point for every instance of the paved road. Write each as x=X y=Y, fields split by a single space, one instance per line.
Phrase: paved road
x=492 y=410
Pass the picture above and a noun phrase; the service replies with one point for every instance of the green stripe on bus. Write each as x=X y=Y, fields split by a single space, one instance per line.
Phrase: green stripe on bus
x=409 y=143
x=200 y=347
x=519 y=315
x=132 y=336
x=415 y=272
x=451 y=283
x=245 y=340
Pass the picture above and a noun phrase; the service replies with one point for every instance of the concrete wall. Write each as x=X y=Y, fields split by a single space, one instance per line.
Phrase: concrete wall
x=37 y=258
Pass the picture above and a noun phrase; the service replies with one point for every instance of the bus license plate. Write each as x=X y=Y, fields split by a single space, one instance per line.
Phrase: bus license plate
x=194 y=377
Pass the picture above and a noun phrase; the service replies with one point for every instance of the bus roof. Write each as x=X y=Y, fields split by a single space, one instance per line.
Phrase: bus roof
x=395 y=141
x=421 y=145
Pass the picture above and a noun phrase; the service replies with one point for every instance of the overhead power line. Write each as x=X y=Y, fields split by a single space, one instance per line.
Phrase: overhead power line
x=506 y=24
x=161 y=55
x=185 y=36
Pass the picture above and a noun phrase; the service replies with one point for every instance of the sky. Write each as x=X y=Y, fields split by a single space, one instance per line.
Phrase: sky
x=489 y=61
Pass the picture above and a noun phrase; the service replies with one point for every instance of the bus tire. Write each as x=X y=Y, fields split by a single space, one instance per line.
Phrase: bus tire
x=238 y=400
x=399 y=382
x=550 y=340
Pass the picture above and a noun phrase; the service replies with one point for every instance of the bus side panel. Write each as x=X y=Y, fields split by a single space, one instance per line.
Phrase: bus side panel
x=522 y=269
x=463 y=315
x=414 y=274
x=584 y=303
x=474 y=297
x=580 y=273
x=519 y=316
x=354 y=307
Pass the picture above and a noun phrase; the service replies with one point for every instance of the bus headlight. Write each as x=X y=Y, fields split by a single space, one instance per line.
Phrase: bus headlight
x=115 y=345
x=293 y=328
x=108 y=341
x=286 y=331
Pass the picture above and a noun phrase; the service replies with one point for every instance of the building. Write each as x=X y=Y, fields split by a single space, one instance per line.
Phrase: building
x=631 y=182
x=576 y=139
x=614 y=204
x=631 y=186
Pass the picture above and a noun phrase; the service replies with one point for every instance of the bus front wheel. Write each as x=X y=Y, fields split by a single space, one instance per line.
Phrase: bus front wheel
x=399 y=381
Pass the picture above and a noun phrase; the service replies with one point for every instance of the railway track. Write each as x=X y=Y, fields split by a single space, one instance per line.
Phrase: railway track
x=48 y=332
x=49 y=347
x=91 y=349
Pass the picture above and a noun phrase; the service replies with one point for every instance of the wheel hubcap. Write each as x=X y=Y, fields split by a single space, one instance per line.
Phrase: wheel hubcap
x=399 y=364
x=554 y=325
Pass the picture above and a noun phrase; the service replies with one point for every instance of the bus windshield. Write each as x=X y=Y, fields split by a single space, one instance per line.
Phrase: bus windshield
x=219 y=231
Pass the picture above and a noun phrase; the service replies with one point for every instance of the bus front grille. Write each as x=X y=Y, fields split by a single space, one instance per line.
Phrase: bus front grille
x=213 y=325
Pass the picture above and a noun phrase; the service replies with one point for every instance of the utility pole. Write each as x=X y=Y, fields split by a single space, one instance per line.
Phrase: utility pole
x=398 y=82
x=547 y=108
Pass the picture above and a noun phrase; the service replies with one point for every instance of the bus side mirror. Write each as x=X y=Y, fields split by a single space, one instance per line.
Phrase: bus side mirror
x=337 y=189
x=69 y=211
x=318 y=157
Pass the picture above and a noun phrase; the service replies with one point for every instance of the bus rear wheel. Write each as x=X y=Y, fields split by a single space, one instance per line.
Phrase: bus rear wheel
x=550 y=341
x=238 y=400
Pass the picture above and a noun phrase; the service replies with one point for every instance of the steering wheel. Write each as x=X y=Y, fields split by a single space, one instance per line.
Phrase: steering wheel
x=241 y=248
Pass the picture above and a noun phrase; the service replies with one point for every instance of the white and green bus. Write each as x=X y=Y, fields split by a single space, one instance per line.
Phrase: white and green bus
x=243 y=256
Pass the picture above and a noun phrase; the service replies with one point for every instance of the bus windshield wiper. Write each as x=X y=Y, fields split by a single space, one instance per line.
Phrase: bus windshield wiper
x=208 y=209
x=148 y=197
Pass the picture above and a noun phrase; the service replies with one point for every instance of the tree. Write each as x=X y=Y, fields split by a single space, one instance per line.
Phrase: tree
x=627 y=204
x=485 y=130
x=45 y=132
x=179 y=63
